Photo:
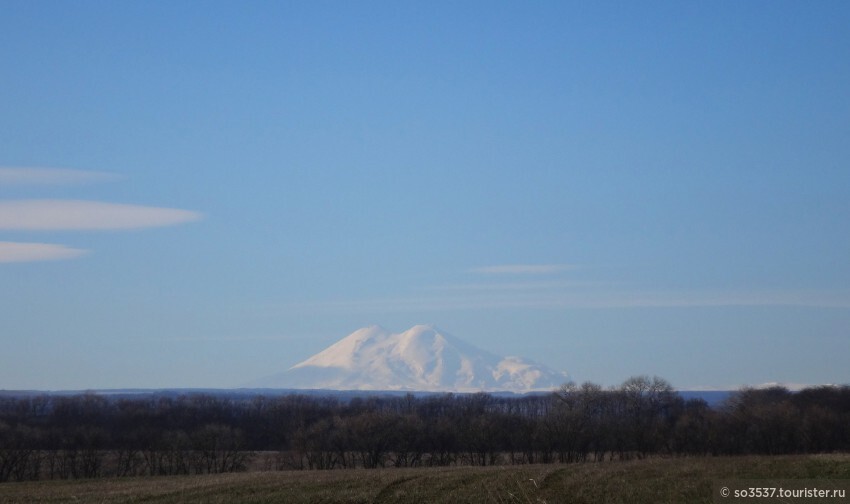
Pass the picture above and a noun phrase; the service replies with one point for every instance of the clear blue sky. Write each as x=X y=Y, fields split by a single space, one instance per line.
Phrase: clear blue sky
x=198 y=194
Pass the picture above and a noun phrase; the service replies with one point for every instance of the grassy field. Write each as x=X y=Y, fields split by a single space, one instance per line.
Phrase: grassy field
x=648 y=481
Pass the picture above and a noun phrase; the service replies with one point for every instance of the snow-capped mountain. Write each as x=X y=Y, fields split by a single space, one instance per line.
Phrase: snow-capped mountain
x=422 y=358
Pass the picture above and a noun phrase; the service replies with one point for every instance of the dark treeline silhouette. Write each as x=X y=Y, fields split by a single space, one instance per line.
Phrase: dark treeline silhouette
x=90 y=435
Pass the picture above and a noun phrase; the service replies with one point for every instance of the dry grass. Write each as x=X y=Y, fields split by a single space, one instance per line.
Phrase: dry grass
x=656 y=481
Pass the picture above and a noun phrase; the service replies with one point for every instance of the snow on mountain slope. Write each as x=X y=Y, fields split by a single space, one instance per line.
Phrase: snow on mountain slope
x=423 y=358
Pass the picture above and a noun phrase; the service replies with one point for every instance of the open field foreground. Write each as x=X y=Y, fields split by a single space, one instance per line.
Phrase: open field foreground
x=647 y=481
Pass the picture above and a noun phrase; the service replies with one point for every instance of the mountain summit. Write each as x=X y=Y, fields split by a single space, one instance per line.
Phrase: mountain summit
x=423 y=358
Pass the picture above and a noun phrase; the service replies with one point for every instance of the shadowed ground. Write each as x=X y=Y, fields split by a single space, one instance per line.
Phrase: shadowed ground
x=648 y=481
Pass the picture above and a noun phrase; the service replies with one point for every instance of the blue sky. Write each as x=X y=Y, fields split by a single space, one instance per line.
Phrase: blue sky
x=198 y=194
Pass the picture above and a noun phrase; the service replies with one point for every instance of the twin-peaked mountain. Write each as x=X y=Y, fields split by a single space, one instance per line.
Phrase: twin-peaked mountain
x=422 y=358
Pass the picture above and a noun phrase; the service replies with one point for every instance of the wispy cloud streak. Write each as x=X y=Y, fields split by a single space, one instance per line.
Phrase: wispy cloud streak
x=494 y=286
x=75 y=215
x=15 y=252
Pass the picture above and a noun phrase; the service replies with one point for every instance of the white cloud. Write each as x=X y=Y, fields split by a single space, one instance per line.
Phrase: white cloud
x=50 y=176
x=11 y=252
x=523 y=269
x=75 y=215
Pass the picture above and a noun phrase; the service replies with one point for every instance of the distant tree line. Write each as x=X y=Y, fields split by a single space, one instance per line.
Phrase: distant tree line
x=90 y=435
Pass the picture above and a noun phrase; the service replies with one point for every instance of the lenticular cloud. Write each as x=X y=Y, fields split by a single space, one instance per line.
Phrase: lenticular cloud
x=63 y=215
